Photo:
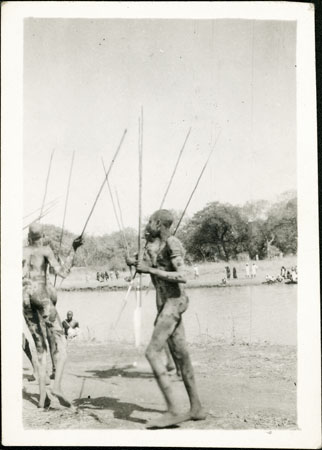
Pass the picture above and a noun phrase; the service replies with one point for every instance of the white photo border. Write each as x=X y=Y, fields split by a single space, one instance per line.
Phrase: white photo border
x=308 y=434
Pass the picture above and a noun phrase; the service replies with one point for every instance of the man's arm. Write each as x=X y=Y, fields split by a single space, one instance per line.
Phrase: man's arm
x=63 y=270
x=59 y=269
x=176 y=276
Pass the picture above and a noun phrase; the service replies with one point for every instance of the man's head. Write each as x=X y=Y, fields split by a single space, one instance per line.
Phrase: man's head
x=35 y=232
x=160 y=220
x=69 y=315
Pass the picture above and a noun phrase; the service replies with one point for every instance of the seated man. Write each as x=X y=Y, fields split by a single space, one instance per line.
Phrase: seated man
x=39 y=310
x=70 y=325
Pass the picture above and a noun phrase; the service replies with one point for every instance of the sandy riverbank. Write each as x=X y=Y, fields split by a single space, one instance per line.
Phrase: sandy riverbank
x=241 y=386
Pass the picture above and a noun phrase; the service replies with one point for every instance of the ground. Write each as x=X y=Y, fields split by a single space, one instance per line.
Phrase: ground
x=241 y=386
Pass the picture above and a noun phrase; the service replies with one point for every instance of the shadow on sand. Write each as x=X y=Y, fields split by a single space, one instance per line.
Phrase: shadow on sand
x=32 y=398
x=124 y=371
x=121 y=410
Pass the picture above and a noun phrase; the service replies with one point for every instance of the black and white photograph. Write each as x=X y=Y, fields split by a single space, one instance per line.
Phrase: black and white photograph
x=161 y=188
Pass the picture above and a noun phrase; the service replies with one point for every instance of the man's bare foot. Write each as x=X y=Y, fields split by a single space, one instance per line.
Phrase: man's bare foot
x=46 y=403
x=168 y=419
x=52 y=376
x=61 y=398
x=198 y=414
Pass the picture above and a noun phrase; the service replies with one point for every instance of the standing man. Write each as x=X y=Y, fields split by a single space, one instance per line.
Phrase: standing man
x=254 y=270
x=247 y=270
x=169 y=279
x=196 y=271
x=39 y=311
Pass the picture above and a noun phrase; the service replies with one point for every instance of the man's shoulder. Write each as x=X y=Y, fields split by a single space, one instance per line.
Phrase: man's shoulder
x=173 y=240
x=175 y=246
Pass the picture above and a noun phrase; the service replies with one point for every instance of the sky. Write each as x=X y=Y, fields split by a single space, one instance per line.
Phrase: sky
x=85 y=81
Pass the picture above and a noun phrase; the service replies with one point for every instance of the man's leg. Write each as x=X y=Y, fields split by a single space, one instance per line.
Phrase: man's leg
x=42 y=361
x=52 y=350
x=36 y=327
x=178 y=345
x=164 y=327
x=172 y=363
x=169 y=360
x=60 y=357
x=26 y=349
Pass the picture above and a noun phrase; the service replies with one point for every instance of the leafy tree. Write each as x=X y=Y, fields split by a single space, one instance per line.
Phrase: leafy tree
x=282 y=225
x=217 y=232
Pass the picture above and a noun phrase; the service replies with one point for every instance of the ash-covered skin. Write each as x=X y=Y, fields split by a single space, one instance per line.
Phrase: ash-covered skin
x=167 y=273
x=39 y=298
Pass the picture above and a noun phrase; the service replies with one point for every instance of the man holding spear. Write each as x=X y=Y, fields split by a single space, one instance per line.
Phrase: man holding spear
x=168 y=277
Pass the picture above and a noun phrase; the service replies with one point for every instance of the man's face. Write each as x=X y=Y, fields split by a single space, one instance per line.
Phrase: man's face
x=152 y=229
x=69 y=316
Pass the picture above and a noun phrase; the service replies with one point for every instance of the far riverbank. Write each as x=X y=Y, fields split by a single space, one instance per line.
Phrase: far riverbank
x=210 y=275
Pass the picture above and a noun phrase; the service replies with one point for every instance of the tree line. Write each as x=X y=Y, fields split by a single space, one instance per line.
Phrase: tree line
x=218 y=232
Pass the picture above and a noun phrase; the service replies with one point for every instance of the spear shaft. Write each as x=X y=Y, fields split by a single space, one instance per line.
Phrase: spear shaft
x=104 y=181
x=65 y=208
x=175 y=168
x=196 y=185
x=119 y=223
x=52 y=202
x=46 y=185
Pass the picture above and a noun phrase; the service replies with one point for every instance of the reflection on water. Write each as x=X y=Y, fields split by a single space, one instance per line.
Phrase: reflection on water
x=232 y=314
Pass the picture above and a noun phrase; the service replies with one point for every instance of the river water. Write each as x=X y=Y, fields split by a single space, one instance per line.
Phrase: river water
x=247 y=314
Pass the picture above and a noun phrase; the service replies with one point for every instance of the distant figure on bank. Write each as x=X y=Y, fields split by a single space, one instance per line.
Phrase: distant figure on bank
x=111 y=275
x=247 y=270
x=117 y=274
x=196 y=271
x=227 y=272
x=293 y=275
x=223 y=281
x=234 y=272
x=254 y=270
x=106 y=276
x=283 y=271
x=98 y=276
x=70 y=326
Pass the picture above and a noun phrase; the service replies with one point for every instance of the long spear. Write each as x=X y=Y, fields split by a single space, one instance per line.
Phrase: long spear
x=138 y=309
x=45 y=212
x=175 y=168
x=46 y=186
x=65 y=208
x=119 y=222
x=104 y=181
x=196 y=185
x=52 y=202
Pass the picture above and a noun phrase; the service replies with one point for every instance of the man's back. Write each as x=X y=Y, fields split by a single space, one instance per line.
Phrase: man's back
x=35 y=261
